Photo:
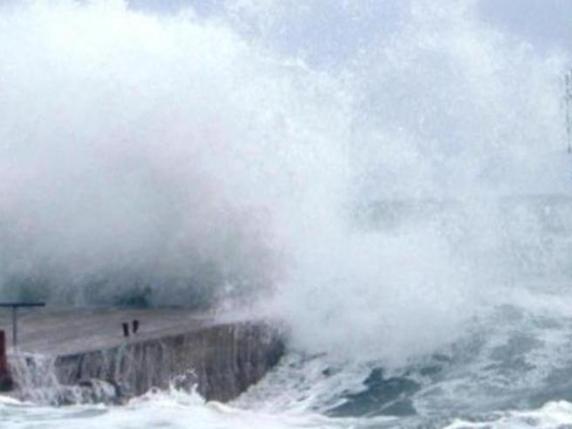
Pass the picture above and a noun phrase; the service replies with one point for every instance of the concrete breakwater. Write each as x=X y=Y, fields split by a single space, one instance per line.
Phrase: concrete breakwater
x=79 y=356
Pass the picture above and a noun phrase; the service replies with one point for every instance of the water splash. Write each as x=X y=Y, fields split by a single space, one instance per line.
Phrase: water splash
x=183 y=159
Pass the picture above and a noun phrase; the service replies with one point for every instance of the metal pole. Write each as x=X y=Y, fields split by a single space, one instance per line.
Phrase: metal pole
x=14 y=306
x=15 y=326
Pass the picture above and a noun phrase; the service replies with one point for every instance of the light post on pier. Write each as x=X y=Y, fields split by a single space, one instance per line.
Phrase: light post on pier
x=6 y=381
x=15 y=306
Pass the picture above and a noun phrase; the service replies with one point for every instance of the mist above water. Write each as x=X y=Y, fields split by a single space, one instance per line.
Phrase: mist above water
x=371 y=187
x=145 y=153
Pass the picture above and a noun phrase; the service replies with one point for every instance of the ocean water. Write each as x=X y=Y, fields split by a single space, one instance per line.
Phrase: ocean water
x=388 y=179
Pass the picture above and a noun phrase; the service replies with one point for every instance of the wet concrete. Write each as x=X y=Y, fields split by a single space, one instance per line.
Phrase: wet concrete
x=81 y=349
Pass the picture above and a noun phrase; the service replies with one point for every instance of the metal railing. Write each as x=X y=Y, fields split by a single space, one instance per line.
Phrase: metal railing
x=15 y=306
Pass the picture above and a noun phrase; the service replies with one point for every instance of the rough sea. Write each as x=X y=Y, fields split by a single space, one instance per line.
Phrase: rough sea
x=388 y=179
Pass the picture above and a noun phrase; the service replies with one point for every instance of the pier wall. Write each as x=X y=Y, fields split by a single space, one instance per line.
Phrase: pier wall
x=220 y=361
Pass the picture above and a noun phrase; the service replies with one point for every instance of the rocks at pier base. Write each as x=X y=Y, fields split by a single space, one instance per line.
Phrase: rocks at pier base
x=220 y=360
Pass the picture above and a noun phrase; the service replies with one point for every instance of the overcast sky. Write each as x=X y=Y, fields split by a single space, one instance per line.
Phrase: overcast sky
x=546 y=24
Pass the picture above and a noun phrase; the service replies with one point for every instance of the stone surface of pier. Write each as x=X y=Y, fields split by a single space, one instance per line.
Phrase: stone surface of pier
x=66 y=356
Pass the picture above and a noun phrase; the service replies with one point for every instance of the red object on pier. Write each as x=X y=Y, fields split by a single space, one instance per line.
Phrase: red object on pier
x=5 y=379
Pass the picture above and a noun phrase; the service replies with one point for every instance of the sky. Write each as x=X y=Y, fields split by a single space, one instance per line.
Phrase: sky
x=545 y=24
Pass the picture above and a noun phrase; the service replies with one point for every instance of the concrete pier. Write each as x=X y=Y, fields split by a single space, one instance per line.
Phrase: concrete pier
x=69 y=356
